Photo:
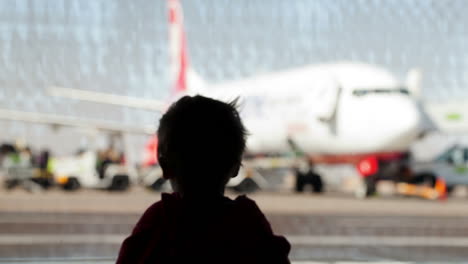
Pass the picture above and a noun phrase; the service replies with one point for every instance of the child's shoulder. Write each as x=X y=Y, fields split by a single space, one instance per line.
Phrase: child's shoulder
x=246 y=203
x=155 y=212
x=252 y=213
x=242 y=207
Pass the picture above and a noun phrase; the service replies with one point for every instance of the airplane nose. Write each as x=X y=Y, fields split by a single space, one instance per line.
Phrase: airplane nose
x=381 y=122
x=407 y=121
x=410 y=118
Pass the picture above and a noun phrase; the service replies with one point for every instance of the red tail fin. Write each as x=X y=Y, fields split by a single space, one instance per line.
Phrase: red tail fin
x=177 y=48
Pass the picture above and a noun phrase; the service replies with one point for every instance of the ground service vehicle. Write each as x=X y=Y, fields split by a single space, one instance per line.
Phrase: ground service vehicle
x=451 y=166
x=74 y=172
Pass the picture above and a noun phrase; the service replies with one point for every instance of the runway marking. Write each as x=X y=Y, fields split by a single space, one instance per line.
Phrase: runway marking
x=65 y=221
x=451 y=224
x=342 y=222
x=388 y=241
x=373 y=241
x=34 y=239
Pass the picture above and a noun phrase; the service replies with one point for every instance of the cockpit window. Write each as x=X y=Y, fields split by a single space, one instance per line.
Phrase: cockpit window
x=362 y=92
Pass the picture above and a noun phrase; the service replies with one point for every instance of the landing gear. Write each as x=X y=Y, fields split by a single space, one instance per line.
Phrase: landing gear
x=370 y=186
x=312 y=178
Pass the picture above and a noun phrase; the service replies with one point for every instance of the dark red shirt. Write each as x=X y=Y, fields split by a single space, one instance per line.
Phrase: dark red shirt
x=174 y=230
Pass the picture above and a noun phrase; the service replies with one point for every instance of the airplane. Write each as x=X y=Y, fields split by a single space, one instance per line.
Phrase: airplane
x=335 y=112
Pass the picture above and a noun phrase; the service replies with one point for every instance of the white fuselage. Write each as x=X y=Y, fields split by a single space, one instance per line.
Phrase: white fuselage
x=342 y=108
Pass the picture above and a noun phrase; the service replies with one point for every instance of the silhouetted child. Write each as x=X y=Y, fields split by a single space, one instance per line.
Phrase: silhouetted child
x=201 y=143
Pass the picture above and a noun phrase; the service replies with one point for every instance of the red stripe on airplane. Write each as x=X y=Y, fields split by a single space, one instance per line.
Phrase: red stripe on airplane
x=181 y=83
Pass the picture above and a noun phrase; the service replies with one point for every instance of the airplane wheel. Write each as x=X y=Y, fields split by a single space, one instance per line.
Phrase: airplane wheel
x=315 y=180
x=248 y=185
x=119 y=183
x=371 y=186
x=157 y=185
x=300 y=183
x=317 y=183
x=72 y=184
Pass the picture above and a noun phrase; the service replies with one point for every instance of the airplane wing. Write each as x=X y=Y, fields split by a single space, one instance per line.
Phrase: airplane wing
x=61 y=120
x=106 y=98
x=450 y=117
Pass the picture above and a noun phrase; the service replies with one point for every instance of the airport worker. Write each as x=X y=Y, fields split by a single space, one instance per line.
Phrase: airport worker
x=201 y=142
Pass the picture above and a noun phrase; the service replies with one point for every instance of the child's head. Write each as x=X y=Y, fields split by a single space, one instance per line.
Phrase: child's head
x=201 y=142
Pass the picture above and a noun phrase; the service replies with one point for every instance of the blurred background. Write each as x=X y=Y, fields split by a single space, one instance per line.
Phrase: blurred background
x=122 y=47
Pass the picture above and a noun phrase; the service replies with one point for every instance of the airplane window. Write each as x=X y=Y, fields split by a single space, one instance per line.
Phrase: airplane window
x=362 y=92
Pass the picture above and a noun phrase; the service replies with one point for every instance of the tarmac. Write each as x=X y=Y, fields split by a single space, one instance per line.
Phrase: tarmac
x=89 y=225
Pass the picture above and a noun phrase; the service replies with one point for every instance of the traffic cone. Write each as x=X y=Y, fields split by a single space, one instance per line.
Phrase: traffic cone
x=441 y=188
